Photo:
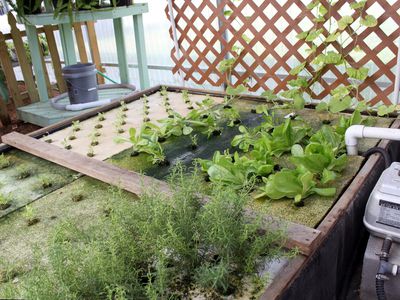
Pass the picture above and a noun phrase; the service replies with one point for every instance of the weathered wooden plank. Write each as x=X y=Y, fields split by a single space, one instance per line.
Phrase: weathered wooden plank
x=23 y=59
x=8 y=36
x=8 y=70
x=80 y=42
x=302 y=237
x=4 y=116
x=94 y=49
x=55 y=58
x=106 y=172
x=45 y=72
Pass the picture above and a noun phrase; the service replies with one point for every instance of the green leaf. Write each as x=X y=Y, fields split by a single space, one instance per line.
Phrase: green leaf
x=344 y=22
x=332 y=37
x=328 y=176
x=246 y=38
x=369 y=21
x=312 y=5
x=327 y=192
x=319 y=19
x=297 y=150
x=228 y=13
x=302 y=35
x=339 y=104
x=313 y=34
x=269 y=95
x=298 y=101
x=187 y=130
x=236 y=91
x=226 y=65
x=322 y=10
x=384 y=110
x=298 y=82
x=333 y=58
x=295 y=71
x=359 y=74
x=322 y=106
x=358 y=5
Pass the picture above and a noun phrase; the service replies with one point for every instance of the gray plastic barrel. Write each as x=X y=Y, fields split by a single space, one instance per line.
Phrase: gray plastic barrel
x=81 y=83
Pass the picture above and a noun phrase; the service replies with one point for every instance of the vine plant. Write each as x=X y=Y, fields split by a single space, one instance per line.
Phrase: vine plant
x=327 y=46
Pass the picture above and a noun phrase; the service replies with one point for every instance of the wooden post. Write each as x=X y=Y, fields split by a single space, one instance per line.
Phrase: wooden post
x=8 y=70
x=45 y=72
x=55 y=58
x=141 y=52
x=33 y=40
x=4 y=116
x=23 y=59
x=121 y=50
x=94 y=49
x=81 y=43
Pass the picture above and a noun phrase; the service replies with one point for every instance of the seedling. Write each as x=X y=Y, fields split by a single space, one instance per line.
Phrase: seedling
x=96 y=132
x=76 y=126
x=101 y=117
x=124 y=107
x=118 y=127
x=194 y=141
x=72 y=136
x=4 y=161
x=45 y=181
x=90 y=152
x=49 y=141
x=4 y=201
x=94 y=140
x=30 y=215
x=77 y=197
x=66 y=144
x=185 y=96
x=98 y=126
x=23 y=172
x=164 y=91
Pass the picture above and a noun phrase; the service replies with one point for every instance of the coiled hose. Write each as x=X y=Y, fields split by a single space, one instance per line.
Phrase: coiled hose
x=381 y=151
x=380 y=276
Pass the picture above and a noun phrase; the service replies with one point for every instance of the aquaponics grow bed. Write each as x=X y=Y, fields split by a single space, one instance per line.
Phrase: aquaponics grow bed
x=326 y=231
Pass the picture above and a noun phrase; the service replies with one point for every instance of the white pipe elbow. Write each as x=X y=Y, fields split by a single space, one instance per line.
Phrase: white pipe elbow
x=355 y=132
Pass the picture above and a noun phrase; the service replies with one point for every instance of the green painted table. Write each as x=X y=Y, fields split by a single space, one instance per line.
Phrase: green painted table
x=67 y=41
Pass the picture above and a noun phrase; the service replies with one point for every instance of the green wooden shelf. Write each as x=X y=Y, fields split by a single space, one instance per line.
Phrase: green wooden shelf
x=86 y=15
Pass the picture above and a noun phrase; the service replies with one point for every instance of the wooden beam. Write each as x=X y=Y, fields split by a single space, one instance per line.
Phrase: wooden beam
x=8 y=70
x=55 y=58
x=94 y=49
x=130 y=181
x=24 y=63
x=302 y=237
x=80 y=43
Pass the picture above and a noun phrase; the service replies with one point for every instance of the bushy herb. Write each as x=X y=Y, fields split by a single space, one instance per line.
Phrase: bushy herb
x=30 y=215
x=45 y=181
x=157 y=248
x=23 y=172
x=5 y=162
x=4 y=201
x=76 y=126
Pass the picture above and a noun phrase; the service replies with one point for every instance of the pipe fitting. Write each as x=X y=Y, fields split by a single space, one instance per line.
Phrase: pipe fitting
x=356 y=132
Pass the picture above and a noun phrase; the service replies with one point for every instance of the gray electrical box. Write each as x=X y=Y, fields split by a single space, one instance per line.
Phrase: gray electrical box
x=382 y=213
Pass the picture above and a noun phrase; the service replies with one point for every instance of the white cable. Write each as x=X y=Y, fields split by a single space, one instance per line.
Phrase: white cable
x=175 y=37
x=397 y=78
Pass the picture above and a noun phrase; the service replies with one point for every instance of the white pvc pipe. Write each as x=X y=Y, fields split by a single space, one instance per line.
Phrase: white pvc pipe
x=397 y=78
x=175 y=38
x=356 y=132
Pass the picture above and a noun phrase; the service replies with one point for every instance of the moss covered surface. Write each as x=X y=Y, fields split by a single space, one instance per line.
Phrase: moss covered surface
x=42 y=177
x=18 y=240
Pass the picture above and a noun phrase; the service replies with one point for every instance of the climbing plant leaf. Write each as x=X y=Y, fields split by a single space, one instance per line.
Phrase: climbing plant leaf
x=344 y=22
x=369 y=21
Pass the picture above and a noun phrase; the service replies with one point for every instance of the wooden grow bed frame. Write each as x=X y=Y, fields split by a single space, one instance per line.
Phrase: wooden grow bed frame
x=312 y=243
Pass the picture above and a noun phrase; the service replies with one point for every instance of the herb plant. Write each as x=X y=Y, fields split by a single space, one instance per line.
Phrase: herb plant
x=30 y=215
x=4 y=201
x=5 y=162
x=76 y=126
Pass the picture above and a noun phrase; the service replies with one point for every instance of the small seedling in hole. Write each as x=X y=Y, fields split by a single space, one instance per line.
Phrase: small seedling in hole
x=190 y=107
x=90 y=152
x=326 y=122
x=5 y=201
x=77 y=197
x=147 y=119
x=101 y=117
x=76 y=126
x=124 y=107
x=72 y=136
x=98 y=126
x=164 y=91
x=66 y=144
x=96 y=132
x=23 y=172
x=30 y=216
x=45 y=181
x=49 y=141
x=185 y=96
x=194 y=141
x=4 y=161
x=94 y=140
